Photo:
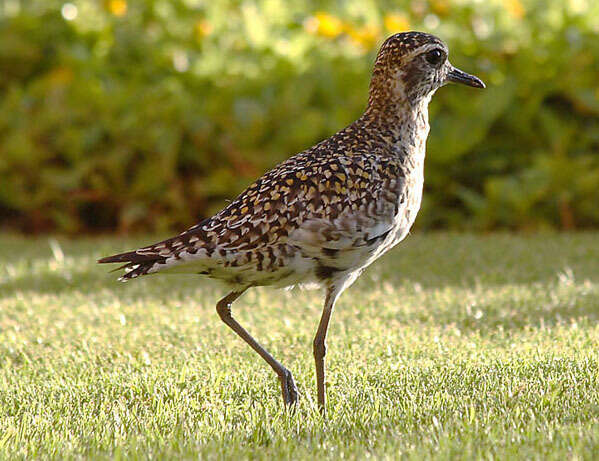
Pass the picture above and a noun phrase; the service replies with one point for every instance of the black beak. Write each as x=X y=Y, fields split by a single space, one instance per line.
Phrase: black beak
x=457 y=76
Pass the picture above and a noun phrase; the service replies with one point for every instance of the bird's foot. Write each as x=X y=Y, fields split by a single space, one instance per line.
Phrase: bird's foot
x=289 y=389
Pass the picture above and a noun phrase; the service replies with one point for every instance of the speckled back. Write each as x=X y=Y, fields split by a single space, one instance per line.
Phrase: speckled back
x=326 y=212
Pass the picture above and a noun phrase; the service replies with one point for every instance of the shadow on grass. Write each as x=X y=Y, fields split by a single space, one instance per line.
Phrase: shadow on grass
x=52 y=283
x=90 y=282
x=432 y=263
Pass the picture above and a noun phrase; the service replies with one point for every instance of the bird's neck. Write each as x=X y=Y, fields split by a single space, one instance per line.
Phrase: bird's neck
x=402 y=124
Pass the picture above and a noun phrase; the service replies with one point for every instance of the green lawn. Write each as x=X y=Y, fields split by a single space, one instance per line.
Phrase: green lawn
x=452 y=346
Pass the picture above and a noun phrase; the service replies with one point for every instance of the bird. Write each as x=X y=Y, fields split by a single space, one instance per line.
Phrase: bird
x=325 y=214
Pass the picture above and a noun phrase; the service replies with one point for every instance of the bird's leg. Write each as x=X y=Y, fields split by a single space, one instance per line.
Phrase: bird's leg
x=289 y=390
x=320 y=347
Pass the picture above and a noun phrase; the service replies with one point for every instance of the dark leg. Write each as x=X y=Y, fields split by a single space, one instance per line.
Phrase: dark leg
x=320 y=347
x=288 y=388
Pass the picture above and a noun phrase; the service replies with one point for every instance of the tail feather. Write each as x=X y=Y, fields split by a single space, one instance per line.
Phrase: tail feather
x=129 y=257
x=154 y=257
x=135 y=264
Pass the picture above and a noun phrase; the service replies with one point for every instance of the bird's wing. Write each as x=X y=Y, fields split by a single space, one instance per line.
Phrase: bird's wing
x=349 y=238
x=316 y=199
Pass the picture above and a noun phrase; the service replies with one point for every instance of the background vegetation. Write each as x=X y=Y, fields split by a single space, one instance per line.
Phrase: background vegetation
x=145 y=115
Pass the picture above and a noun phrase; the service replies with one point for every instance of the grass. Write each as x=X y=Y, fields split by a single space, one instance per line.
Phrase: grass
x=452 y=346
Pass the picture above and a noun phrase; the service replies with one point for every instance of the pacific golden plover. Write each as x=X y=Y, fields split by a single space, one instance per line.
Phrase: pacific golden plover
x=325 y=214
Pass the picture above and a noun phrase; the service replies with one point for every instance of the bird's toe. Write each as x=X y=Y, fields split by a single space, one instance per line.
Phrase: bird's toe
x=289 y=389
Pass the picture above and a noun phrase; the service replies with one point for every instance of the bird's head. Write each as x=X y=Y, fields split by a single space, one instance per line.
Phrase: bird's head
x=411 y=66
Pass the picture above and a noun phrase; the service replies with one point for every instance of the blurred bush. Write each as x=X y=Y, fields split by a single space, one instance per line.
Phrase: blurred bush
x=146 y=115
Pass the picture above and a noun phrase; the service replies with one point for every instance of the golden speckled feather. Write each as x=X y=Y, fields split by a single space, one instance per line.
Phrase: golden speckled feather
x=328 y=211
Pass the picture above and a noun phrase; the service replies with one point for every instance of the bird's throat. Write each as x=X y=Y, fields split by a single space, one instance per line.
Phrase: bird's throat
x=402 y=124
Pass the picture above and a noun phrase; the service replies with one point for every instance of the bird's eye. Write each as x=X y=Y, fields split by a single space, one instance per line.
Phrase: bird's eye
x=434 y=57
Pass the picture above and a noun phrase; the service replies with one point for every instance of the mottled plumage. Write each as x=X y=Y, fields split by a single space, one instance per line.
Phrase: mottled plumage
x=325 y=214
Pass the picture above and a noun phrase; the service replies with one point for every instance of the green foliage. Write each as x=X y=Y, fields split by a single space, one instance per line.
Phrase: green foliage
x=463 y=347
x=149 y=114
